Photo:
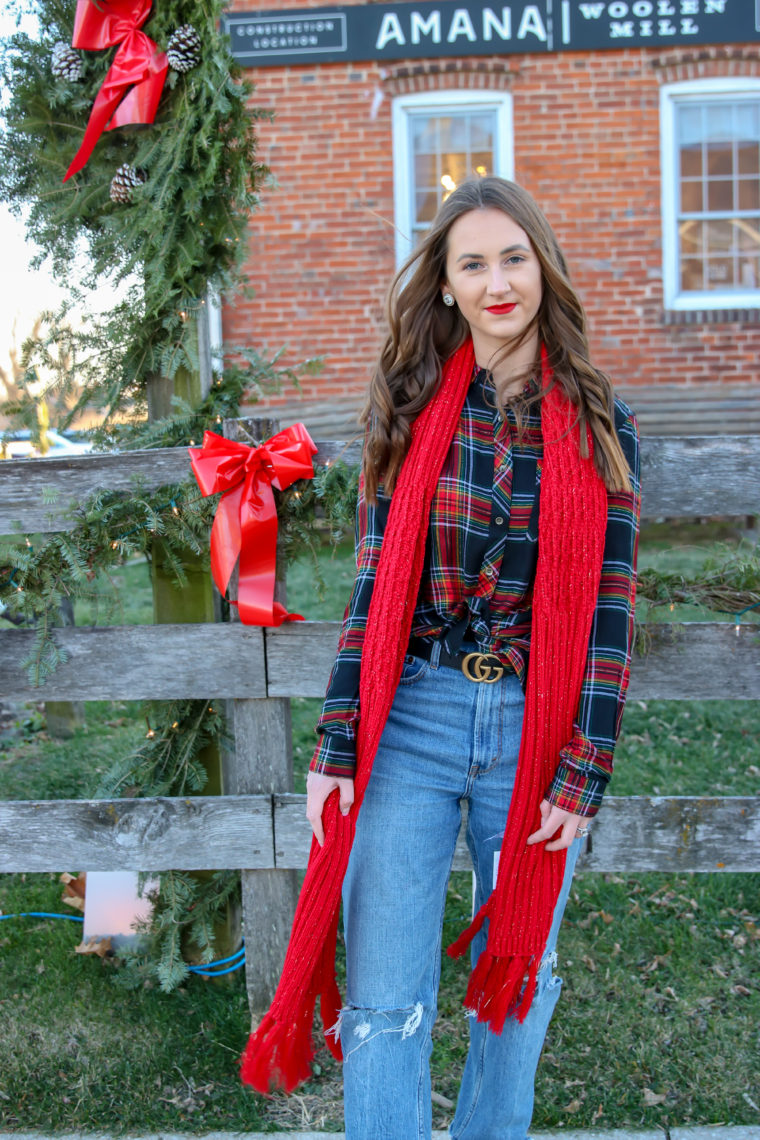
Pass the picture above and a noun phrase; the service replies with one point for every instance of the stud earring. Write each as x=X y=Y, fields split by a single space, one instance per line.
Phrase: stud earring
x=448 y=299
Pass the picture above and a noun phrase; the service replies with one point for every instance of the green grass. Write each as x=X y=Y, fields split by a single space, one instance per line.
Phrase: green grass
x=657 y=1025
x=660 y=994
x=80 y=1052
x=121 y=598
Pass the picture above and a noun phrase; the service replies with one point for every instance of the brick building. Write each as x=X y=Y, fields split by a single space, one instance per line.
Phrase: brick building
x=635 y=124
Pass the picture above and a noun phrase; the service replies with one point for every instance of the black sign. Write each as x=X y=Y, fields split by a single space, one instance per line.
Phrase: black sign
x=477 y=27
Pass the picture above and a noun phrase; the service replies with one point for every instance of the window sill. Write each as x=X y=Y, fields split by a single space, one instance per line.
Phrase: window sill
x=711 y=316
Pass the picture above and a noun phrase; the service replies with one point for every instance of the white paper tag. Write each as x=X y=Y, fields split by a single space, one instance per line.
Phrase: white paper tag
x=496 y=855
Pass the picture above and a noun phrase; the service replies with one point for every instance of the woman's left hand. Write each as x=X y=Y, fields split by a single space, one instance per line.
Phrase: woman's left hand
x=552 y=819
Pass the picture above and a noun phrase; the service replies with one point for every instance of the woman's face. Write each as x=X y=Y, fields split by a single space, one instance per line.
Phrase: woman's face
x=494 y=276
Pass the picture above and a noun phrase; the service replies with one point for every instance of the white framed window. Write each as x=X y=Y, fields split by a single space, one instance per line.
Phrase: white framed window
x=710 y=163
x=439 y=139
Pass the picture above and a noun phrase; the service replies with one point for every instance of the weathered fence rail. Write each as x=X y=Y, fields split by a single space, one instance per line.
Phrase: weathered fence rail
x=169 y=661
x=642 y=833
x=259 y=826
x=681 y=475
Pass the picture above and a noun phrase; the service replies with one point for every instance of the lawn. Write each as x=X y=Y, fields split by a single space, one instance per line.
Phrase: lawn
x=658 y=1021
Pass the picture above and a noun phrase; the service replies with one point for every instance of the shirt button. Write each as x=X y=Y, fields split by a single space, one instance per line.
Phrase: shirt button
x=499 y=520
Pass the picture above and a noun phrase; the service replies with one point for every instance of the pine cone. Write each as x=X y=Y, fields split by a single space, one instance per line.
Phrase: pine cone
x=184 y=48
x=65 y=62
x=123 y=183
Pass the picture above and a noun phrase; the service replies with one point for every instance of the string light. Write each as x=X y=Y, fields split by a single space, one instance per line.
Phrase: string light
x=151 y=731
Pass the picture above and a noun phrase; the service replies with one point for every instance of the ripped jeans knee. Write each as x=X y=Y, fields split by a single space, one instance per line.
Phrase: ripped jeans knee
x=547 y=979
x=358 y=1026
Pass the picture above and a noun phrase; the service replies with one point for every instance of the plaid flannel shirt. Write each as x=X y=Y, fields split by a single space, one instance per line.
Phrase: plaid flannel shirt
x=480 y=563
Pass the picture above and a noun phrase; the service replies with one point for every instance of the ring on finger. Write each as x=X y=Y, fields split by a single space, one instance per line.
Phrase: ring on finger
x=581 y=831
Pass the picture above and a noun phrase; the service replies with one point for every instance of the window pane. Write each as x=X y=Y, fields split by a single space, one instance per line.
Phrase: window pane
x=424 y=131
x=689 y=125
x=454 y=133
x=720 y=273
x=748 y=121
x=481 y=163
x=691 y=197
x=720 y=158
x=691 y=235
x=691 y=273
x=749 y=272
x=454 y=169
x=691 y=161
x=720 y=195
x=720 y=236
x=426 y=204
x=481 y=132
x=749 y=194
x=748 y=157
x=719 y=122
x=426 y=171
x=748 y=234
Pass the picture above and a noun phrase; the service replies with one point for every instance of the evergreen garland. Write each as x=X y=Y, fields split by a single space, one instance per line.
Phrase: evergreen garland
x=186 y=908
x=186 y=226
x=727 y=585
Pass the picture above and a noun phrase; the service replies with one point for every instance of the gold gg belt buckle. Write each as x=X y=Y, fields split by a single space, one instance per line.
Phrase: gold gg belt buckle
x=482 y=667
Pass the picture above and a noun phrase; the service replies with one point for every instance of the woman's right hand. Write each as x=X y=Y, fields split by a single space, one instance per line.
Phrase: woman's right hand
x=318 y=788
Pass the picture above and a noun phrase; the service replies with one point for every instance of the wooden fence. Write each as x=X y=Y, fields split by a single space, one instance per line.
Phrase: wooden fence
x=258 y=825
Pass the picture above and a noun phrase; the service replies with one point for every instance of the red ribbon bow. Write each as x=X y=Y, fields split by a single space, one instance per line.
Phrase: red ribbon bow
x=246 y=518
x=138 y=64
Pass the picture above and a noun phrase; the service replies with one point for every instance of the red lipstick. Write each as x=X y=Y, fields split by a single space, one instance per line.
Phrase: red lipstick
x=500 y=309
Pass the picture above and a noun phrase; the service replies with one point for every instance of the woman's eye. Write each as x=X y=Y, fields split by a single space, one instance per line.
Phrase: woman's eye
x=473 y=265
x=515 y=259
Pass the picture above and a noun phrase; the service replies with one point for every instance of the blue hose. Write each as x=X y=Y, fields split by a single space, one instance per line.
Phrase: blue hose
x=42 y=914
x=210 y=970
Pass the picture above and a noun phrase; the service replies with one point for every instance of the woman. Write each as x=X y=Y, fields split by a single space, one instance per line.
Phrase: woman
x=483 y=657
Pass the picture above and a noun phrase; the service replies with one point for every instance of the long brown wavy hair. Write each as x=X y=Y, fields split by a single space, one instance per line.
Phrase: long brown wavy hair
x=423 y=333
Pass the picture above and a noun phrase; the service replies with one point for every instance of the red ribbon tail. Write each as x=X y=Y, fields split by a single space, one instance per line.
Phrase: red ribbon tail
x=258 y=555
x=102 y=109
x=225 y=538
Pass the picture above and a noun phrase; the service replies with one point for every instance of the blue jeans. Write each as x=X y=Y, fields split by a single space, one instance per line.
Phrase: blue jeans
x=447 y=739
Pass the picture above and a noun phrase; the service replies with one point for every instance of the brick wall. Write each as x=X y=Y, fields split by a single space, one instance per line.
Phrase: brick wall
x=586 y=145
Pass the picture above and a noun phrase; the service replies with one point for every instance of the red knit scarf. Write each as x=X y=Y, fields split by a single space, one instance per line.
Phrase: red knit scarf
x=572 y=521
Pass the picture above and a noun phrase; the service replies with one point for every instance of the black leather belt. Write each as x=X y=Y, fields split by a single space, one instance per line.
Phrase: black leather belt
x=481 y=667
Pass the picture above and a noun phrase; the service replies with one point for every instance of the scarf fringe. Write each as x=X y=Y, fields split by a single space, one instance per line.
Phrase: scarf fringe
x=278 y=1054
x=501 y=987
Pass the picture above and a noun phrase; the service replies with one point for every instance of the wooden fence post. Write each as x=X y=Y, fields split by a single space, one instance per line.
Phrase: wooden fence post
x=260 y=761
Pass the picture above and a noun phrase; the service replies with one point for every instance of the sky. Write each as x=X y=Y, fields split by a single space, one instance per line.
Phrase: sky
x=23 y=292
